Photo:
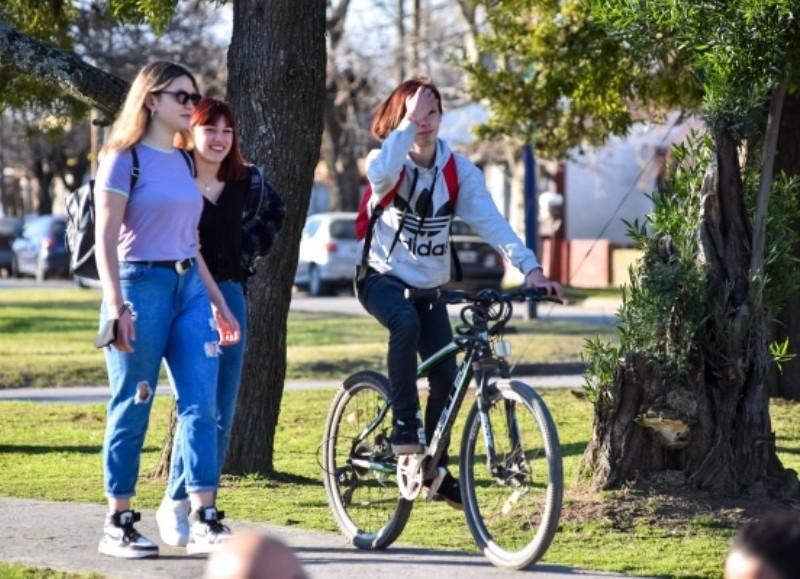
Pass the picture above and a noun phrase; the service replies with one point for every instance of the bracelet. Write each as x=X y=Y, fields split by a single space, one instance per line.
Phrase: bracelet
x=126 y=307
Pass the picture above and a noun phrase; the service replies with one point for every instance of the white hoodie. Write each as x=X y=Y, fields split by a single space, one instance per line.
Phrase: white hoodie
x=421 y=257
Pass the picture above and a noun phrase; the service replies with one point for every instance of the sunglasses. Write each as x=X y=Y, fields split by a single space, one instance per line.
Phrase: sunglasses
x=183 y=97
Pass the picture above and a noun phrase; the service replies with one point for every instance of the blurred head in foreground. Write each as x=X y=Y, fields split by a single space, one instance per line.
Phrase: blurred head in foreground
x=766 y=549
x=249 y=555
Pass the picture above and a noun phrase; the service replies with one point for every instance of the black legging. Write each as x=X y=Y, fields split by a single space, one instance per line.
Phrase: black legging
x=414 y=328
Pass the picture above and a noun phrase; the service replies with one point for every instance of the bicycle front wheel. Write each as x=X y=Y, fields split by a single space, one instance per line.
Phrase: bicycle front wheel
x=359 y=467
x=513 y=503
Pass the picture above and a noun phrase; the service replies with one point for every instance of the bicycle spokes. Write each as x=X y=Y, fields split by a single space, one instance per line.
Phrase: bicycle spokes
x=512 y=470
x=360 y=468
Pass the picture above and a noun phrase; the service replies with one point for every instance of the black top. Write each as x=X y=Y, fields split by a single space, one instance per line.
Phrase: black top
x=221 y=232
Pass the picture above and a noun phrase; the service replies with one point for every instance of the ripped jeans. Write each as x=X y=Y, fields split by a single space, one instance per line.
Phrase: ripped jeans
x=230 y=377
x=173 y=321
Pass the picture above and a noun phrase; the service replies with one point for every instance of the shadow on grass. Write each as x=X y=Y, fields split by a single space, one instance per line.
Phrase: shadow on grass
x=275 y=477
x=41 y=449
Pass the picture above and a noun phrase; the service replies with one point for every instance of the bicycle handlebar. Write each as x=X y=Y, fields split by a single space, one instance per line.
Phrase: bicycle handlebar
x=484 y=296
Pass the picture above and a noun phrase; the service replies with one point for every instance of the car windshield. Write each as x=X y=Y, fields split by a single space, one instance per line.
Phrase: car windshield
x=343 y=229
x=459 y=227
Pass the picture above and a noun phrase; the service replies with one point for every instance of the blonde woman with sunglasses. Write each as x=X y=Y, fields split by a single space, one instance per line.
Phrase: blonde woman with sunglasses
x=158 y=289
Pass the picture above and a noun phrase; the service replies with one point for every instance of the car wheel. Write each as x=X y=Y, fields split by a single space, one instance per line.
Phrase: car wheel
x=316 y=285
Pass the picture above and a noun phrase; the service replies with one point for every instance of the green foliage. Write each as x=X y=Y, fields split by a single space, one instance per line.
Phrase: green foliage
x=736 y=52
x=666 y=314
x=600 y=359
x=82 y=28
x=781 y=276
x=555 y=78
x=780 y=353
x=664 y=305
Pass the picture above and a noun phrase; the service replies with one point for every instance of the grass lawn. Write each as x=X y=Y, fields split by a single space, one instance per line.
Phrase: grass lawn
x=46 y=340
x=52 y=452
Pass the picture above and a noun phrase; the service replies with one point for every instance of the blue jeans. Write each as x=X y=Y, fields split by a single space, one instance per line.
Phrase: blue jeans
x=414 y=327
x=173 y=321
x=228 y=381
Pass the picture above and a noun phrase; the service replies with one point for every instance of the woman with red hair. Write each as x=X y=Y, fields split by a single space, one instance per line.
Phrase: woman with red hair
x=241 y=215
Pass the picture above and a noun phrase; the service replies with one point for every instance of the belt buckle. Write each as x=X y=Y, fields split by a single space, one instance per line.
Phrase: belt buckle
x=183 y=266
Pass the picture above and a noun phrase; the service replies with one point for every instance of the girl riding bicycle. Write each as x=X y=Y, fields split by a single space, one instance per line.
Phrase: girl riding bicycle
x=409 y=246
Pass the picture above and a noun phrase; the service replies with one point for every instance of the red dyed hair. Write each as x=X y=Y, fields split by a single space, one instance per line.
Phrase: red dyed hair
x=393 y=109
x=208 y=112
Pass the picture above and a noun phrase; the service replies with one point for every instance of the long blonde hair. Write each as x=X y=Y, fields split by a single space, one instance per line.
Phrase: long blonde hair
x=134 y=118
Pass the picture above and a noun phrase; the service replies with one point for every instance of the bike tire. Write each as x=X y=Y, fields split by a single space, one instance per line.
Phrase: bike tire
x=366 y=504
x=513 y=517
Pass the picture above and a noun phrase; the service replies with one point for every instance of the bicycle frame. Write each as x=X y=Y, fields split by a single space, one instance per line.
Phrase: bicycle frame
x=479 y=363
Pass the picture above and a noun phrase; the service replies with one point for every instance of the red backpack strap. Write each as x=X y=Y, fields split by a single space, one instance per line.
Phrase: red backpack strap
x=364 y=220
x=451 y=179
x=365 y=225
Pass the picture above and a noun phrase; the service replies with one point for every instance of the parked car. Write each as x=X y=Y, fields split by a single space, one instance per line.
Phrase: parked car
x=10 y=229
x=481 y=265
x=328 y=249
x=41 y=250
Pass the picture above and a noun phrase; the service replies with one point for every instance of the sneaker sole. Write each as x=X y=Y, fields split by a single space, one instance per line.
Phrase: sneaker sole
x=127 y=553
x=203 y=549
x=441 y=498
x=175 y=540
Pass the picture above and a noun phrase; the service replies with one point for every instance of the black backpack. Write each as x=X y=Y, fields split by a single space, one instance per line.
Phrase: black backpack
x=262 y=220
x=80 y=225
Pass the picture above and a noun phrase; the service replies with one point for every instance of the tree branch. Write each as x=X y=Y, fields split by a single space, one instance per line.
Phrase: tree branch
x=765 y=180
x=64 y=71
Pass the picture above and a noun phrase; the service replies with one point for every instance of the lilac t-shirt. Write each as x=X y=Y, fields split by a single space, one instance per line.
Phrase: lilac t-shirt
x=163 y=212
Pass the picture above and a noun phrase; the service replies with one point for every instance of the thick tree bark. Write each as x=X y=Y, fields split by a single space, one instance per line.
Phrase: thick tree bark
x=724 y=443
x=276 y=68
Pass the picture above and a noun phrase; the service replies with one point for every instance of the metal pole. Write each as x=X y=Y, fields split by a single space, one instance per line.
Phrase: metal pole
x=531 y=217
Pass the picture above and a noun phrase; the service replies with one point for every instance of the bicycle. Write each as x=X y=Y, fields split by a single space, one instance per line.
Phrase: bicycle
x=510 y=461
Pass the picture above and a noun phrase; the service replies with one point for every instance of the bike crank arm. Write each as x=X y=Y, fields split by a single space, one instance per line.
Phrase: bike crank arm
x=410 y=468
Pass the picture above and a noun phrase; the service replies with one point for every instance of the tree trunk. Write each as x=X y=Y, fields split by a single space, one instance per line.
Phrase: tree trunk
x=276 y=84
x=714 y=428
x=786 y=384
x=161 y=468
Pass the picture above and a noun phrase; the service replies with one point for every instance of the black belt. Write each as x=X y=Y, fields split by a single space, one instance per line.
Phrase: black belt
x=181 y=266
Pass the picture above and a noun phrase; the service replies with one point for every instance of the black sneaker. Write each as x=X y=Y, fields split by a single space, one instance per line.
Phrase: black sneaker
x=449 y=491
x=121 y=539
x=405 y=437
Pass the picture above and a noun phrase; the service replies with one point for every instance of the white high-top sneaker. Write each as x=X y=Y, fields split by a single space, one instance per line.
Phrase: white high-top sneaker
x=173 y=521
x=121 y=539
x=206 y=533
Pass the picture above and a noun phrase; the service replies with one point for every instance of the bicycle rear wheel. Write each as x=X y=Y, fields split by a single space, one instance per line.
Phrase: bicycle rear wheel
x=359 y=467
x=513 y=513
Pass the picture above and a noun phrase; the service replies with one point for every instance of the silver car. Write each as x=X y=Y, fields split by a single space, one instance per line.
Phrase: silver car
x=328 y=248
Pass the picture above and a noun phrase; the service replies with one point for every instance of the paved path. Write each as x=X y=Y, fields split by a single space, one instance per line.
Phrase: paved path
x=64 y=536
x=97 y=394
